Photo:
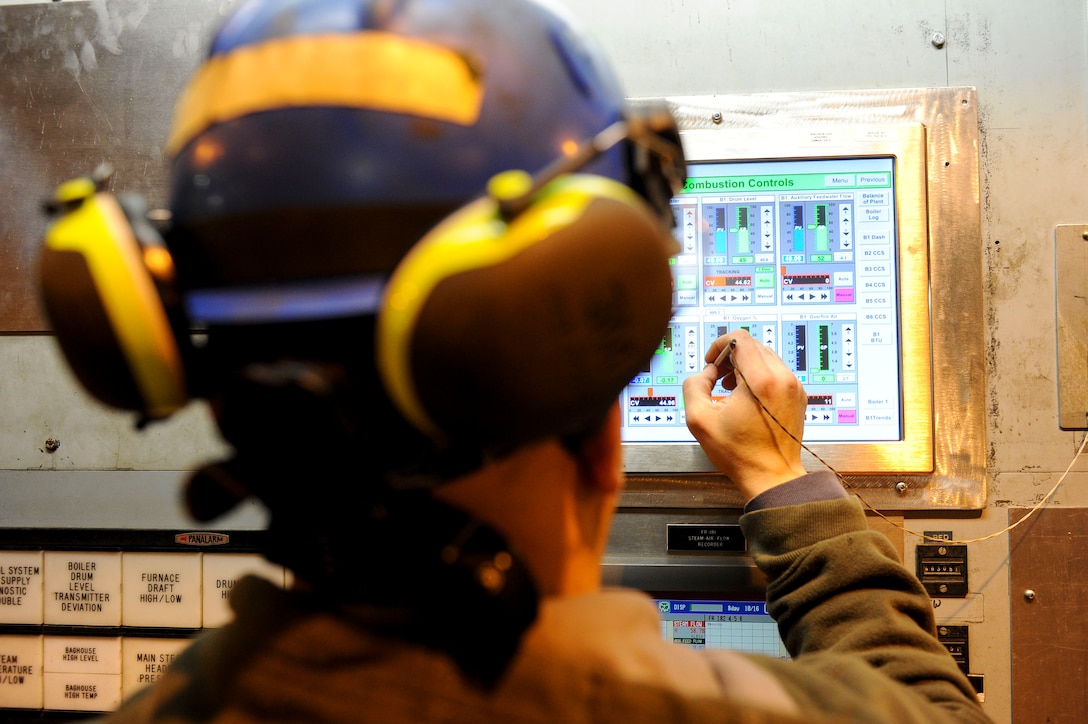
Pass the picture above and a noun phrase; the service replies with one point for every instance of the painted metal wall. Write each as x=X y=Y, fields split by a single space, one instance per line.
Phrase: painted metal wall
x=66 y=461
x=1028 y=64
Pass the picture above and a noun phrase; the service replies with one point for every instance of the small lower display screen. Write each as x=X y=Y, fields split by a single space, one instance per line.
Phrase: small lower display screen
x=802 y=253
x=743 y=626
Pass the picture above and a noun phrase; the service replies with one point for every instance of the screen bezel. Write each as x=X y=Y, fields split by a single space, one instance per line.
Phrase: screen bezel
x=906 y=145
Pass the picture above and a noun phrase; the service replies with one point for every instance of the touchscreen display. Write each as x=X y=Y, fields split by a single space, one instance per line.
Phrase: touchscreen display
x=802 y=253
x=721 y=624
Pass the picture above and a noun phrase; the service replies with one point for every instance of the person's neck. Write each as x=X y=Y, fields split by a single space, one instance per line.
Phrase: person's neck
x=539 y=499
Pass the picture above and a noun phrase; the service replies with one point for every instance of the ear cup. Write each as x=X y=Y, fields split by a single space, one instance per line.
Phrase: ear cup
x=500 y=333
x=103 y=304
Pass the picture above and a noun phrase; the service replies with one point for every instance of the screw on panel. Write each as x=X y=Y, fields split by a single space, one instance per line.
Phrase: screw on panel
x=717 y=117
x=51 y=444
x=901 y=487
x=1029 y=595
x=937 y=40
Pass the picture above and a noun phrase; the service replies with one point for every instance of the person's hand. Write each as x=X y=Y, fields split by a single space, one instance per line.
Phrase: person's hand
x=736 y=433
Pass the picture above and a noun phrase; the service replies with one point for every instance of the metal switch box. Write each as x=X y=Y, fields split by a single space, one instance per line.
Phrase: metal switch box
x=942 y=569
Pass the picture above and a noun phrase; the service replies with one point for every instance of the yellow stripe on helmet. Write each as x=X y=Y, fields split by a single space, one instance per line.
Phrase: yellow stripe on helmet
x=371 y=70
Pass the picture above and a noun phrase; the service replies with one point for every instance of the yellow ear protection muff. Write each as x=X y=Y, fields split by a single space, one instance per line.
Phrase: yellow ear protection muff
x=524 y=313
x=105 y=278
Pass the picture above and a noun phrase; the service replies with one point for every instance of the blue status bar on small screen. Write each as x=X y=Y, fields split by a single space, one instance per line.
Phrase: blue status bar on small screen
x=687 y=606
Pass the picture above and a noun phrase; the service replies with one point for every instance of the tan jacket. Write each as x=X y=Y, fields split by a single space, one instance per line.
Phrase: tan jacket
x=858 y=624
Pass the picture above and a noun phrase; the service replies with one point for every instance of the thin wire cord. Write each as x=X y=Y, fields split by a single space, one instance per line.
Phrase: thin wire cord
x=1043 y=501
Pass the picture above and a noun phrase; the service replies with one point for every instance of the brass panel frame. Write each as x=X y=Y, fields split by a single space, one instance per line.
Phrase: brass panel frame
x=941 y=464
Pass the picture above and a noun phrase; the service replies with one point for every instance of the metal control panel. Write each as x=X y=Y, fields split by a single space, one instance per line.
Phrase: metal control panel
x=88 y=617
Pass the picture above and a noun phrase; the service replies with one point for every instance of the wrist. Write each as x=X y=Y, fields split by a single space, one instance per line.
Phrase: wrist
x=753 y=483
x=808 y=488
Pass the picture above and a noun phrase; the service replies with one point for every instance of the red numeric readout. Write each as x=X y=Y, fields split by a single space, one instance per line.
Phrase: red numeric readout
x=737 y=280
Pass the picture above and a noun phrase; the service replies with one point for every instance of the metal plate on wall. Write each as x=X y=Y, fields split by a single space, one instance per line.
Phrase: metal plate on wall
x=1071 y=312
x=1048 y=581
x=84 y=83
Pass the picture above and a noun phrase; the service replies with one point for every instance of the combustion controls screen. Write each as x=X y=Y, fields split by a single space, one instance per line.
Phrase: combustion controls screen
x=802 y=254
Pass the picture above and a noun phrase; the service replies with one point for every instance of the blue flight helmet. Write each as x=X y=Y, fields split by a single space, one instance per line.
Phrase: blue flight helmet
x=321 y=140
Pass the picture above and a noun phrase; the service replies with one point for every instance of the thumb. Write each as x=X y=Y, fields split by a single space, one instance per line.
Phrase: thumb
x=698 y=387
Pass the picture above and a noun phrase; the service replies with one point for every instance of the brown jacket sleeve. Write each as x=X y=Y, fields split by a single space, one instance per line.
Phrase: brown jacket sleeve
x=857 y=623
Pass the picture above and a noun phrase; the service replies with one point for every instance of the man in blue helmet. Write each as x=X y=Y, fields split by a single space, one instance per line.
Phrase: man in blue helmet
x=427 y=243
